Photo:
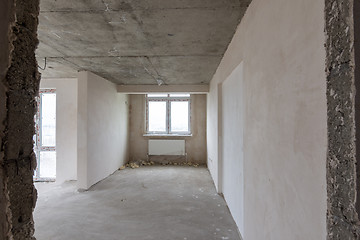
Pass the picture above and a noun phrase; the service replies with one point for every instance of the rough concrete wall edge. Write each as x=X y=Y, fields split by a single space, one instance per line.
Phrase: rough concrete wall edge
x=342 y=218
x=6 y=214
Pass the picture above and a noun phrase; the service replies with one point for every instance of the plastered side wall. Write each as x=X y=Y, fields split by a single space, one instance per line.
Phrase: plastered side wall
x=232 y=145
x=103 y=115
x=212 y=134
x=82 y=124
x=66 y=126
x=281 y=45
x=137 y=143
x=195 y=146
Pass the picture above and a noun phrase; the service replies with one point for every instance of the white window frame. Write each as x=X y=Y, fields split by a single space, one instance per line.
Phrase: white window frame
x=168 y=101
x=38 y=146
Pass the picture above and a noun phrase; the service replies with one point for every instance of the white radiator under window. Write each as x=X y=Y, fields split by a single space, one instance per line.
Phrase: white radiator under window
x=166 y=147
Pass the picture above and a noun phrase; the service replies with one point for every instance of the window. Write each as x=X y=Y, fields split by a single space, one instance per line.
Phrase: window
x=168 y=113
x=45 y=137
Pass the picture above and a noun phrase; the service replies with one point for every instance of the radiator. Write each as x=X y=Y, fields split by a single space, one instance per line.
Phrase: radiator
x=166 y=147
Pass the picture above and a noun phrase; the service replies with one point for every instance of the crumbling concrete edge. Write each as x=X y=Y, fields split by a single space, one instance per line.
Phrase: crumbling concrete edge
x=8 y=22
x=19 y=86
x=342 y=218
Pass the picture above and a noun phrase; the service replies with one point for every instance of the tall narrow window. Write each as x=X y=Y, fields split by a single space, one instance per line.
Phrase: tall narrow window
x=45 y=137
x=168 y=113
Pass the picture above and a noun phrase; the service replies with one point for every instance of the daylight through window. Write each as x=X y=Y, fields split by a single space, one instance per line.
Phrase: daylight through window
x=168 y=113
x=45 y=137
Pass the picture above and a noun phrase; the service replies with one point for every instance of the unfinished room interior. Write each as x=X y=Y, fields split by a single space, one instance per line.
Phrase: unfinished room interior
x=179 y=119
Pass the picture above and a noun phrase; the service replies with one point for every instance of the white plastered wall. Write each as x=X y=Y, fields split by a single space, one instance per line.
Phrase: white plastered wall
x=232 y=157
x=103 y=129
x=281 y=46
x=66 y=126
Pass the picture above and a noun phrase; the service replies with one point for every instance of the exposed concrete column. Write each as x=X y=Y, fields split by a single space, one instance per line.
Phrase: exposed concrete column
x=342 y=218
x=18 y=88
x=7 y=16
x=357 y=97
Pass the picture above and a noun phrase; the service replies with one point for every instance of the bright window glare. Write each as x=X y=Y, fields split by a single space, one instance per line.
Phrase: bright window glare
x=179 y=116
x=47 y=164
x=157 y=116
x=180 y=95
x=48 y=119
x=157 y=95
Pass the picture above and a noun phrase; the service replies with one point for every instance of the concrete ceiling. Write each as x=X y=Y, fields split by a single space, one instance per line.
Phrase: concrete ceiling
x=137 y=41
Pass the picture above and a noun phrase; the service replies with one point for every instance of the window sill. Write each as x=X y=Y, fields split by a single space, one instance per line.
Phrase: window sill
x=167 y=135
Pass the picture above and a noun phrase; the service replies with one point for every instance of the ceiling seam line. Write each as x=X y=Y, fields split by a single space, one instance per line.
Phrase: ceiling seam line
x=137 y=9
x=130 y=56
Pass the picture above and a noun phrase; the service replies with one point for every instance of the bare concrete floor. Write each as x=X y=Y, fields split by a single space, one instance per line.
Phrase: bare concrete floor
x=155 y=202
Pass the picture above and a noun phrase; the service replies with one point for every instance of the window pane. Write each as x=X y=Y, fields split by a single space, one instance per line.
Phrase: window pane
x=48 y=119
x=157 y=116
x=48 y=164
x=180 y=95
x=157 y=95
x=180 y=116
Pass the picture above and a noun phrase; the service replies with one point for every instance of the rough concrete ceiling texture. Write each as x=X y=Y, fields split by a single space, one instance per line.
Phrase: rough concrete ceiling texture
x=137 y=41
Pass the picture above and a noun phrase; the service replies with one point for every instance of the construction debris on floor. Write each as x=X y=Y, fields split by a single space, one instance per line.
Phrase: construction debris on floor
x=137 y=164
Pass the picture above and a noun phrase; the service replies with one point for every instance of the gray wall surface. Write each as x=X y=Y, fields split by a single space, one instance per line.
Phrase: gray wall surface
x=195 y=146
x=102 y=129
x=281 y=46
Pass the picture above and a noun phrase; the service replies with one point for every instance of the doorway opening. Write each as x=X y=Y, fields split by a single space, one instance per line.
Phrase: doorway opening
x=45 y=136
